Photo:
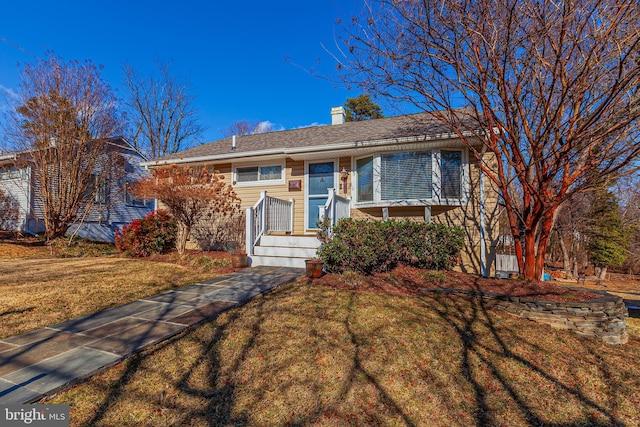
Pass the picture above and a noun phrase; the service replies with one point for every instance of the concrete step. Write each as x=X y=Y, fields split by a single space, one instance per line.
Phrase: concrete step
x=257 y=260
x=281 y=251
x=290 y=241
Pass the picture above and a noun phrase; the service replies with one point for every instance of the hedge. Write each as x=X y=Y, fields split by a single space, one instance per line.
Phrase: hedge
x=370 y=247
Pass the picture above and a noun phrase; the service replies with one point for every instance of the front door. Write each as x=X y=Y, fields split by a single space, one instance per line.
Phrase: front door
x=320 y=178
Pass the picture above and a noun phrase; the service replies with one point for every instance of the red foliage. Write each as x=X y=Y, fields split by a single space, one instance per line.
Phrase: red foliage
x=153 y=233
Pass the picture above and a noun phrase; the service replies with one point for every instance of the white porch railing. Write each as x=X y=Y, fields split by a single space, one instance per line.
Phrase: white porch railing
x=336 y=207
x=268 y=215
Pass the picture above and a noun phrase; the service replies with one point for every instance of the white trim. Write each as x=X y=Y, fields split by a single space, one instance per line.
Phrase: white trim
x=436 y=176
x=259 y=183
x=336 y=177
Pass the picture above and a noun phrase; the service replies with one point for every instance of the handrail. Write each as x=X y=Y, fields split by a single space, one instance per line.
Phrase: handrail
x=336 y=208
x=267 y=215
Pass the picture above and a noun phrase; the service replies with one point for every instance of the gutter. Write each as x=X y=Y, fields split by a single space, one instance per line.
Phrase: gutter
x=483 y=231
x=5 y=157
x=278 y=152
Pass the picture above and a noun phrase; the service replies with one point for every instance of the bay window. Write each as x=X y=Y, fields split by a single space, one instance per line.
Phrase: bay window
x=416 y=177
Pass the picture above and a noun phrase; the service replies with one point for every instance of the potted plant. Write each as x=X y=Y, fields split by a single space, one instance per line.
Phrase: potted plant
x=314 y=267
x=238 y=259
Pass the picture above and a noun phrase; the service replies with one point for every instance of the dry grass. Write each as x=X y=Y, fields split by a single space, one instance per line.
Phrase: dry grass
x=41 y=292
x=314 y=355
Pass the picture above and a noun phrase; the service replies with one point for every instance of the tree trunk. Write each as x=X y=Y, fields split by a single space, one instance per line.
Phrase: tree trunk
x=603 y=273
x=530 y=262
x=182 y=238
x=566 y=259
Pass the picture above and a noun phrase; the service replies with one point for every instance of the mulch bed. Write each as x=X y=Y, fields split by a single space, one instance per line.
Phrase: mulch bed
x=404 y=280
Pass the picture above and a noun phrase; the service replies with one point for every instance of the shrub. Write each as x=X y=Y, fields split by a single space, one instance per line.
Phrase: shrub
x=153 y=233
x=370 y=247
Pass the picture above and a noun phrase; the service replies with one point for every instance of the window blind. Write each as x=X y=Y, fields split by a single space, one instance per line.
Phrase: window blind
x=406 y=176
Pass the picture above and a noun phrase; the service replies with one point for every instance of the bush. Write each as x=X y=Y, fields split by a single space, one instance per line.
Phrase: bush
x=370 y=247
x=153 y=233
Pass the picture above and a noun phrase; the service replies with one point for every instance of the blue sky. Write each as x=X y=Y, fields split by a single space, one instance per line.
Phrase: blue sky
x=244 y=59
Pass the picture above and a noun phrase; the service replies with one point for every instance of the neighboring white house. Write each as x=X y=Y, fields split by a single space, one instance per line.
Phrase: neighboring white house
x=114 y=205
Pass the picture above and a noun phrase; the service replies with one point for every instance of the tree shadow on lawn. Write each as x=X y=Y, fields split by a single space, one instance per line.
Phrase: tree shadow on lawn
x=480 y=360
x=313 y=355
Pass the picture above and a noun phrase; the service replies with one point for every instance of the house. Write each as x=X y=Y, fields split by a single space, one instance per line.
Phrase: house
x=112 y=205
x=410 y=166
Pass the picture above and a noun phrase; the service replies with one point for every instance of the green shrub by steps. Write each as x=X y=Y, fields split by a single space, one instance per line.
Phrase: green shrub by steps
x=370 y=247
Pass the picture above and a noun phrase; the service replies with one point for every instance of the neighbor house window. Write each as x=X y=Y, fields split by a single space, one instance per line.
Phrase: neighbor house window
x=12 y=172
x=451 y=166
x=100 y=190
x=254 y=174
x=405 y=176
x=130 y=200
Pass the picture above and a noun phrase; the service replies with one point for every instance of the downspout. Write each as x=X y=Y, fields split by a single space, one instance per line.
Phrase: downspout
x=483 y=244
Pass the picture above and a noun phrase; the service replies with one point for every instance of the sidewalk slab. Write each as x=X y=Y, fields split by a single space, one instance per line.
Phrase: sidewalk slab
x=136 y=338
x=11 y=394
x=53 y=373
x=6 y=346
x=200 y=314
x=106 y=316
x=33 y=336
x=199 y=289
x=114 y=327
x=27 y=355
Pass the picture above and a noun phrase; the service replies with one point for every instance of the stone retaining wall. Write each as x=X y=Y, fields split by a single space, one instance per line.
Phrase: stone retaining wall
x=604 y=317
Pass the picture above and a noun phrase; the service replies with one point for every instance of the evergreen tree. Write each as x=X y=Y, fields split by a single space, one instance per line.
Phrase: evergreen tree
x=608 y=238
x=361 y=108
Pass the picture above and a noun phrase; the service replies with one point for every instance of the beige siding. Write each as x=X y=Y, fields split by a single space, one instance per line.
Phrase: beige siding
x=468 y=217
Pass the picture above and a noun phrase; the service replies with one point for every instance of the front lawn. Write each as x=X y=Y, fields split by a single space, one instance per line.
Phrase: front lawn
x=40 y=291
x=312 y=354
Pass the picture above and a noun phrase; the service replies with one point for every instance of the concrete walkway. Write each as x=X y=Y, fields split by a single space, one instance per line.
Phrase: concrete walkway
x=41 y=362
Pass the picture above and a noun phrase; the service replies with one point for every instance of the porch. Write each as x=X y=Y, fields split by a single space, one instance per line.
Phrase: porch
x=270 y=238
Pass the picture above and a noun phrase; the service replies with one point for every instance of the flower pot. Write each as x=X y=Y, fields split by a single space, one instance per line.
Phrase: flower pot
x=238 y=260
x=314 y=268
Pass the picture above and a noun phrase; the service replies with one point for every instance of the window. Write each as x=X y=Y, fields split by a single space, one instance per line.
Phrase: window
x=406 y=176
x=12 y=172
x=254 y=174
x=364 y=169
x=410 y=178
x=451 y=166
x=100 y=189
x=130 y=200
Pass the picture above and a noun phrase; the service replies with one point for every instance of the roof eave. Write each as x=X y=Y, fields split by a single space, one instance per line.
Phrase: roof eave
x=300 y=152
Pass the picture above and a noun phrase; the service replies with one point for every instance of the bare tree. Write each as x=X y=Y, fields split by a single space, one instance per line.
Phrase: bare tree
x=62 y=124
x=190 y=196
x=554 y=86
x=161 y=111
x=247 y=127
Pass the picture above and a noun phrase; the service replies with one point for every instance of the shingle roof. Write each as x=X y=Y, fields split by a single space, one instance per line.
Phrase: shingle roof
x=422 y=124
